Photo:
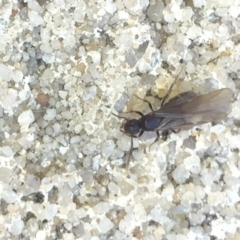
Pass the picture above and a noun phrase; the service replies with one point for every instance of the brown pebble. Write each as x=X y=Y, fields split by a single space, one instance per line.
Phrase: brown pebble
x=43 y=99
x=14 y=13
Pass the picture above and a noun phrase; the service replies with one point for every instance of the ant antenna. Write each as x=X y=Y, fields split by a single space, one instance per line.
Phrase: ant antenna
x=170 y=89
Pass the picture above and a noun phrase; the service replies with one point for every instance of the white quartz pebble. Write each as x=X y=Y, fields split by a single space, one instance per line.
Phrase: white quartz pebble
x=26 y=118
x=50 y=114
x=16 y=226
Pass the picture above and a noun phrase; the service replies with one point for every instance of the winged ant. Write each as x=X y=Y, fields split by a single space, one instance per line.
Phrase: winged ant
x=183 y=111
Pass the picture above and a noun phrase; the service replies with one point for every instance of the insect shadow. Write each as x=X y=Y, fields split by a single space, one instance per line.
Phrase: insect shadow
x=183 y=111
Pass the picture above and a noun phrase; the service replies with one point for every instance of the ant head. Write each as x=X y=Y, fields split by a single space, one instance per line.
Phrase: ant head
x=131 y=127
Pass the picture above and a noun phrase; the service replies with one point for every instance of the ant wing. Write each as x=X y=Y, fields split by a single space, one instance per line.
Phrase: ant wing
x=178 y=99
x=178 y=123
x=195 y=109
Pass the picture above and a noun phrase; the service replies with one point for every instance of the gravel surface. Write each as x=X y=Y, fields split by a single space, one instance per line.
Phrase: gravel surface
x=65 y=66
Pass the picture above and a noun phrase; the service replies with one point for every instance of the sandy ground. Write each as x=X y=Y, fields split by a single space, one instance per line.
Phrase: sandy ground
x=65 y=66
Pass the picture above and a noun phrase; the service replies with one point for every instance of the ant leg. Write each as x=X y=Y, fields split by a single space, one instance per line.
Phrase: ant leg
x=119 y=116
x=131 y=147
x=165 y=134
x=170 y=89
x=130 y=152
x=174 y=131
x=141 y=133
x=149 y=104
x=156 y=139
x=132 y=111
x=141 y=114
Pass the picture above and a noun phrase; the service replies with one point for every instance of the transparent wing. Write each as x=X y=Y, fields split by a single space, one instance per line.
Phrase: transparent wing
x=180 y=123
x=187 y=109
x=188 y=104
x=181 y=98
